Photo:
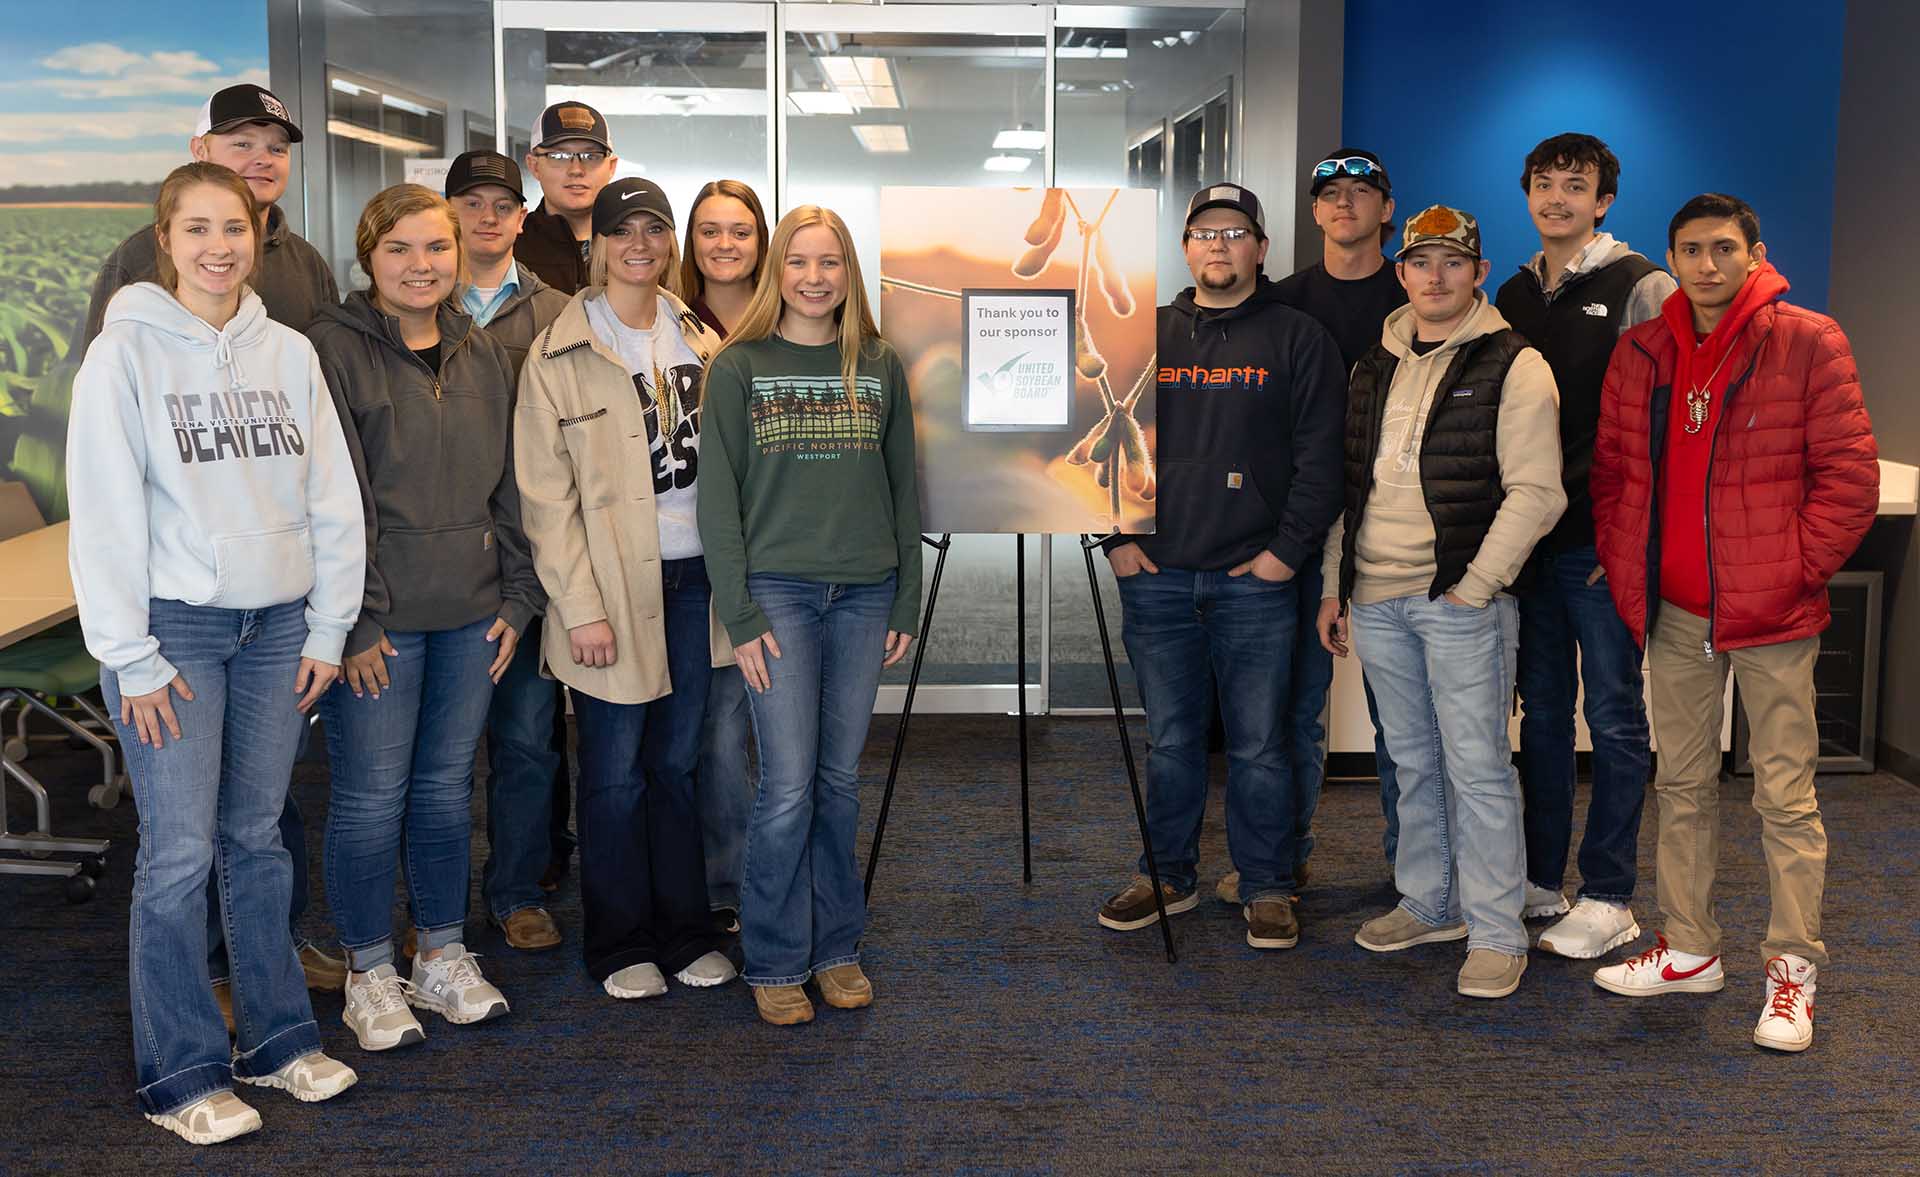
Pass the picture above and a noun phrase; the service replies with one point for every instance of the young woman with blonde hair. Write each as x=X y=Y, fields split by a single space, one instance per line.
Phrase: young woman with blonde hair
x=216 y=557
x=607 y=436
x=810 y=518
x=427 y=403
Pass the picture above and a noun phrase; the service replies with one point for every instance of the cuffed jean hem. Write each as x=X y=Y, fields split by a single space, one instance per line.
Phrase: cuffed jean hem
x=836 y=962
x=276 y=1052
x=368 y=957
x=185 y=1088
x=769 y=982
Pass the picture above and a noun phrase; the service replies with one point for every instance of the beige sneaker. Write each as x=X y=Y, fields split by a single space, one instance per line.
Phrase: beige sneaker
x=376 y=1011
x=844 y=986
x=1490 y=973
x=219 y=1117
x=1398 y=929
x=635 y=982
x=309 y=1078
x=782 y=1005
x=452 y=986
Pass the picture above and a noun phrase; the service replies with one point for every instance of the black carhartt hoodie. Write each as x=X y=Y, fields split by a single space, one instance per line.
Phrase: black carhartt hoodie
x=1249 y=417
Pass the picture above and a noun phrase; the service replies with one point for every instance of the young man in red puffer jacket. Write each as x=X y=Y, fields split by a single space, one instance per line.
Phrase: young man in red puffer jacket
x=1733 y=474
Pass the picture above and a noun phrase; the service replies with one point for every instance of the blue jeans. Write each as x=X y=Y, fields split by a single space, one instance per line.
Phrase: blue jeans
x=1443 y=674
x=210 y=803
x=521 y=762
x=1383 y=765
x=1307 y=711
x=403 y=764
x=293 y=835
x=1560 y=612
x=643 y=883
x=803 y=907
x=1178 y=624
x=725 y=790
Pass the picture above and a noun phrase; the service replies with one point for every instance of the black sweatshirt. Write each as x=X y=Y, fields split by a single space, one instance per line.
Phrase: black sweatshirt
x=1249 y=417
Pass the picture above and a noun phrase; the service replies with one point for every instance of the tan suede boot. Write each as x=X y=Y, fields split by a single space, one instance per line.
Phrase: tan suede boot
x=845 y=987
x=783 y=1005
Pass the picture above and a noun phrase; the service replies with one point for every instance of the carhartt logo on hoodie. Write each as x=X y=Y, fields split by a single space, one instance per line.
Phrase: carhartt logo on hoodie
x=244 y=423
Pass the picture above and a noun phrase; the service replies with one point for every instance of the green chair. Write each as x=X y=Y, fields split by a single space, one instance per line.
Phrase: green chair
x=32 y=673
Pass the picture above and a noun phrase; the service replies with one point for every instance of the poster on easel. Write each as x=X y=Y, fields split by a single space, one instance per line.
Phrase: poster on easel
x=1025 y=320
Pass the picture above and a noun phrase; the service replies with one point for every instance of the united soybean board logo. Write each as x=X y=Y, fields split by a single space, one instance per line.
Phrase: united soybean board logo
x=1021 y=378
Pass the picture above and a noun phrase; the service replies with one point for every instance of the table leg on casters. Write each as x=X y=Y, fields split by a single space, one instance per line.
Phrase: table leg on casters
x=1087 y=544
x=906 y=709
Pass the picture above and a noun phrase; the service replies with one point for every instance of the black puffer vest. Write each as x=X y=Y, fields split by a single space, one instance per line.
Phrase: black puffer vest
x=1459 y=467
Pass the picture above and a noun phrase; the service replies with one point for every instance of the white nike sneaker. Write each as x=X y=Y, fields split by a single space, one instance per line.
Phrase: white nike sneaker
x=635 y=982
x=309 y=1078
x=1593 y=928
x=1786 y=1020
x=710 y=970
x=1543 y=904
x=451 y=986
x=1662 y=970
x=376 y=1010
x=219 y=1117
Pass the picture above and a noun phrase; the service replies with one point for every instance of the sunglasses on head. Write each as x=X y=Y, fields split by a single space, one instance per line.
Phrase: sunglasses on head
x=1351 y=165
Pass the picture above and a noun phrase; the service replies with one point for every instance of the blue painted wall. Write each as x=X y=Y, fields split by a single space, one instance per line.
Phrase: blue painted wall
x=1692 y=98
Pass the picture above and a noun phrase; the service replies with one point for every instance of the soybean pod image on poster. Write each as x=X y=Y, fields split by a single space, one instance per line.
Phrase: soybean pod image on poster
x=1025 y=319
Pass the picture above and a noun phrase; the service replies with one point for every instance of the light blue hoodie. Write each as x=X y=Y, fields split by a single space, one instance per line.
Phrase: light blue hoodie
x=206 y=467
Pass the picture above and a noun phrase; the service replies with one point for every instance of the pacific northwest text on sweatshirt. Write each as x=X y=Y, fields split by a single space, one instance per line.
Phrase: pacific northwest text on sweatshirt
x=206 y=466
x=795 y=483
x=1248 y=418
x=1393 y=553
x=433 y=451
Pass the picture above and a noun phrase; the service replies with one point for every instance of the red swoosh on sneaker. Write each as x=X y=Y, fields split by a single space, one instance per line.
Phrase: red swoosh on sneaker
x=1667 y=972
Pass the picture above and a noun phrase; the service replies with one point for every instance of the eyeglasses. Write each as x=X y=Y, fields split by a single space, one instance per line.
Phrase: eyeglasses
x=586 y=157
x=1209 y=236
x=1351 y=165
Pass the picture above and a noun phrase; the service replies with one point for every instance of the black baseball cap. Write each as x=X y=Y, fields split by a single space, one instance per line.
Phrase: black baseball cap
x=245 y=103
x=572 y=120
x=470 y=169
x=626 y=196
x=1352 y=162
x=1231 y=196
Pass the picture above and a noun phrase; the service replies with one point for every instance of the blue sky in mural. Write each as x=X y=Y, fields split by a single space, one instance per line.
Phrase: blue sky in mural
x=121 y=105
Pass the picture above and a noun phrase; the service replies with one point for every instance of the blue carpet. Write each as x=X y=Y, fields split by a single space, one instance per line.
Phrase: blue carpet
x=1011 y=1034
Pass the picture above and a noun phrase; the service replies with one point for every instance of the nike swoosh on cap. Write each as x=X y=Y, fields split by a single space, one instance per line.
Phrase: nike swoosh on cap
x=630 y=195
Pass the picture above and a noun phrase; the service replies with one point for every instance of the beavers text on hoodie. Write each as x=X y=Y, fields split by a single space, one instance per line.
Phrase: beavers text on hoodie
x=1251 y=401
x=208 y=467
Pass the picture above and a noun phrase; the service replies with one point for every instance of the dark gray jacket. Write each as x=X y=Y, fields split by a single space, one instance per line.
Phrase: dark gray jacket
x=434 y=455
x=533 y=305
x=294 y=281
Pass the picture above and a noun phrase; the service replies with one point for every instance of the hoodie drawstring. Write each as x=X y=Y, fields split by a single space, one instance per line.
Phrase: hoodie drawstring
x=223 y=357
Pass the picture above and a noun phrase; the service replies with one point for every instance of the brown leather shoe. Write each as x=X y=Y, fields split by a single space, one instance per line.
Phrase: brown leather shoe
x=325 y=973
x=845 y=987
x=783 y=1005
x=409 y=947
x=223 y=997
x=530 y=929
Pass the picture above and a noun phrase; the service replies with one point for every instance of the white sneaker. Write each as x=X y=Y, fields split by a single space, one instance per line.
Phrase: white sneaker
x=376 y=1010
x=634 y=982
x=1662 y=970
x=309 y=1078
x=1593 y=928
x=710 y=970
x=451 y=986
x=1543 y=904
x=219 y=1117
x=1786 y=1020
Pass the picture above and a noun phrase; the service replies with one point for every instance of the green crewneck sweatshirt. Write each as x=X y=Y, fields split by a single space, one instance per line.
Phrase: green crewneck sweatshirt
x=794 y=483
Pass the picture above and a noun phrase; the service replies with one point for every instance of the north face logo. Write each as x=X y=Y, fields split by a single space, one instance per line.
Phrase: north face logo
x=1597 y=309
x=274 y=107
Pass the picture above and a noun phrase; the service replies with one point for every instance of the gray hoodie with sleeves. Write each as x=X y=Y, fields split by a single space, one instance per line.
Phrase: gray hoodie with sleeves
x=434 y=455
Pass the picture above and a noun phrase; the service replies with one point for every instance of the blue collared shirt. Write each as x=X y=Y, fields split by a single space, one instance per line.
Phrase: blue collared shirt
x=484 y=311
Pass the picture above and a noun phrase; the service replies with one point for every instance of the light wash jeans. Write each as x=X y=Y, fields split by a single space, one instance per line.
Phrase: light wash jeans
x=1444 y=676
x=209 y=804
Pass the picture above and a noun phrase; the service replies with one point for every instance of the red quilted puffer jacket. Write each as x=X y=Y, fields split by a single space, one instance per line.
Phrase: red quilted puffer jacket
x=1794 y=481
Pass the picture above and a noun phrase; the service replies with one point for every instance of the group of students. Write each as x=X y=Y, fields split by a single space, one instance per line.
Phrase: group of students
x=539 y=449
x=1482 y=495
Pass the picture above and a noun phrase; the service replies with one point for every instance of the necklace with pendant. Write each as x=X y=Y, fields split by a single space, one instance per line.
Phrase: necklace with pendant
x=1700 y=397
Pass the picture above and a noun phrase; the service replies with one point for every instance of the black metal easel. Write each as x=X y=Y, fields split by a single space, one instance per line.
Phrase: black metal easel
x=1087 y=546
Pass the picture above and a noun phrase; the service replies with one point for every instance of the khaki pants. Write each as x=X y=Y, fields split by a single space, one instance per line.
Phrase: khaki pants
x=1776 y=686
